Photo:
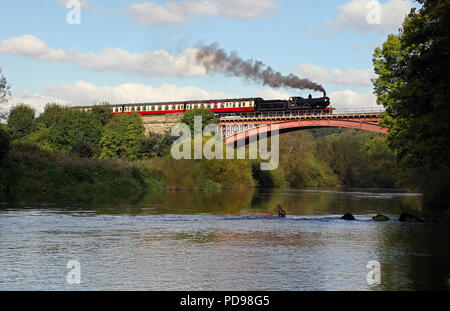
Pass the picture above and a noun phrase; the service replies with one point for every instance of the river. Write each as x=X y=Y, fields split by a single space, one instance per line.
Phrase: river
x=224 y=241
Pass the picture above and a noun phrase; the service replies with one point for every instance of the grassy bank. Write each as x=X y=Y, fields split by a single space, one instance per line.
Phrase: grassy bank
x=30 y=173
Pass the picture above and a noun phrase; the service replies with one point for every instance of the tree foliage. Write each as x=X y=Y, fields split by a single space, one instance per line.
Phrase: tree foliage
x=72 y=127
x=4 y=142
x=121 y=136
x=4 y=89
x=413 y=84
x=206 y=114
x=20 y=121
x=102 y=112
x=154 y=145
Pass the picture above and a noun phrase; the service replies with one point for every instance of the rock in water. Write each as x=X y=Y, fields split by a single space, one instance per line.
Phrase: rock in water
x=281 y=212
x=380 y=218
x=409 y=218
x=348 y=216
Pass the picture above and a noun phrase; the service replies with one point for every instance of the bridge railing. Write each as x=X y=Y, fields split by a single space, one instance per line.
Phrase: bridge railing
x=299 y=113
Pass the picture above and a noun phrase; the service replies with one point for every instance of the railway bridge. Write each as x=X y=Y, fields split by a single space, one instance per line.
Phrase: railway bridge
x=238 y=127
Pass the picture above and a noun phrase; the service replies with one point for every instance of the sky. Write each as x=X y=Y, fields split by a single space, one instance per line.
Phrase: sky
x=143 y=51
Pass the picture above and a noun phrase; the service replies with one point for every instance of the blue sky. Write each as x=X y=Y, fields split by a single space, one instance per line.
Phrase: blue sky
x=111 y=54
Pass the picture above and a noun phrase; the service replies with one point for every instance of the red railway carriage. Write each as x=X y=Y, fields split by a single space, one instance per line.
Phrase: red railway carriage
x=216 y=106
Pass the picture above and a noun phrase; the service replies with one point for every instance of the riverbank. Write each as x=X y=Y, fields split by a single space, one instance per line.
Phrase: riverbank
x=29 y=173
x=32 y=174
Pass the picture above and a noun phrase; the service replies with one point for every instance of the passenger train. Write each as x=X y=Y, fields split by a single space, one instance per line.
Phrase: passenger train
x=229 y=106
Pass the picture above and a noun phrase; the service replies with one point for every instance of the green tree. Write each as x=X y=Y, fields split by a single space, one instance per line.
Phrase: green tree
x=103 y=112
x=300 y=163
x=155 y=145
x=20 y=121
x=413 y=78
x=4 y=93
x=52 y=113
x=342 y=152
x=72 y=127
x=121 y=136
x=206 y=114
x=4 y=142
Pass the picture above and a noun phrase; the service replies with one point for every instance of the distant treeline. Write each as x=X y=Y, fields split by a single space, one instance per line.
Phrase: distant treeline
x=82 y=155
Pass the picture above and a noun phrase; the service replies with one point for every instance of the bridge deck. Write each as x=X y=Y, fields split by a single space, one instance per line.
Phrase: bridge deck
x=282 y=117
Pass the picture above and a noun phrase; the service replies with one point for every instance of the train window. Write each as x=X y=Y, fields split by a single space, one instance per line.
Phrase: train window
x=173 y=107
x=208 y=106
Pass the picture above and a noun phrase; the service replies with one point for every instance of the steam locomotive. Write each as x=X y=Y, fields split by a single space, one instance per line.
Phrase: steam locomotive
x=230 y=106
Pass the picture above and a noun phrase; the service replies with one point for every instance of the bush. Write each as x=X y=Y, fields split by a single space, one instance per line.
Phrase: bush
x=4 y=143
x=20 y=121
x=83 y=149
x=32 y=174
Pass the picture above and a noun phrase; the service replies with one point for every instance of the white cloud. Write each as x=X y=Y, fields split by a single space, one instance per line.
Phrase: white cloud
x=84 y=94
x=354 y=15
x=348 y=100
x=181 y=12
x=30 y=46
x=149 y=63
x=349 y=76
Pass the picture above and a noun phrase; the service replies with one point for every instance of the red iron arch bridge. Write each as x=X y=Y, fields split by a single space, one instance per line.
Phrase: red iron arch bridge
x=241 y=127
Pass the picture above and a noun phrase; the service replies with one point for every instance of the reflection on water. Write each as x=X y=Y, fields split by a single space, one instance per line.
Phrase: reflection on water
x=224 y=241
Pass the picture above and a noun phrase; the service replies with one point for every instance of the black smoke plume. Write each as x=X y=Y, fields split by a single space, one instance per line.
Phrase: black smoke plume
x=215 y=59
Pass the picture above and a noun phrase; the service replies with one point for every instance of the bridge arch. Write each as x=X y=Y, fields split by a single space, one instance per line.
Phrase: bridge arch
x=369 y=123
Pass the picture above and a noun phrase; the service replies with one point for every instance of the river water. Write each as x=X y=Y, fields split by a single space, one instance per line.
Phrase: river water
x=224 y=241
